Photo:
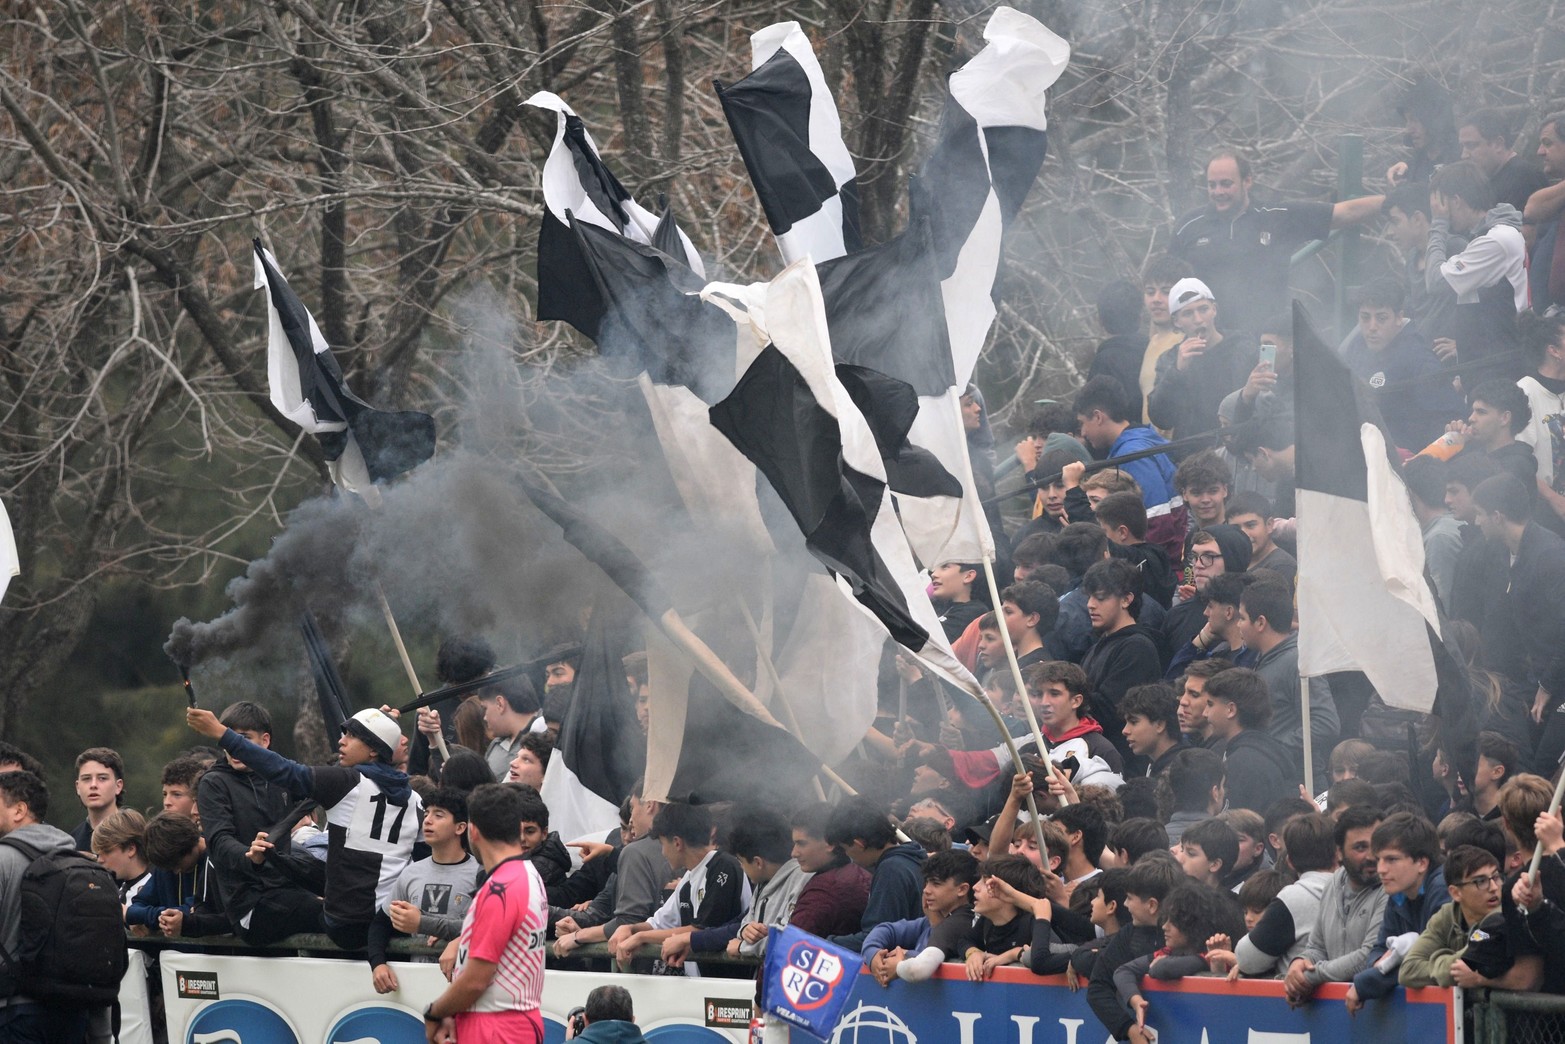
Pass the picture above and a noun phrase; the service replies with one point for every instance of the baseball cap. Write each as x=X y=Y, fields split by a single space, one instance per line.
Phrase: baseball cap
x=377 y=729
x=1187 y=290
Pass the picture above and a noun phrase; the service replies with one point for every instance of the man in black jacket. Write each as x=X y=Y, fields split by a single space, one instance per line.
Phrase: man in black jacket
x=1124 y=654
x=1259 y=770
x=1536 y=600
x=269 y=898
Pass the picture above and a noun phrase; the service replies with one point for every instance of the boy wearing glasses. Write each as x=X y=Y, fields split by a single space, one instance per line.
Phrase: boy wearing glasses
x=1473 y=880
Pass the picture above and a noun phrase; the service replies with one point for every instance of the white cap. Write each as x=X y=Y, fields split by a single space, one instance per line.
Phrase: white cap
x=377 y=729
x=1187 y=290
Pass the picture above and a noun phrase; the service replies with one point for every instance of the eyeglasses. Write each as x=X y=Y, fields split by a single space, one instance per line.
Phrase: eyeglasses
x=1485 y=881
x=1207 y=557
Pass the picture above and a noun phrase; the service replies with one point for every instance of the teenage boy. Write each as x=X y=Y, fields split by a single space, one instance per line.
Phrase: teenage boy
x=1266 y=627
x=863 y=830
x=1051 y=953
x=497 y=984
x=264 y=894
x=1150 y=881
x=1151 y=731
x=1399 y=364
x=1031 y=610
x=712 y=888
x=432 y=895
x=1474 y=882
x=1253 y=515
x=1105 y=417
x=762 y=844
x=1259 y=769
x=1253 y=857
x=1498 y=760
x=100 y=787
x=180 y=899
x=891 y=950
x=833 y=901
x=1406 y=848
x=1124 y=520
x=1058 y=694
x=1352 y=908
x=1193 y=701
x=180 y=778
x=1195 y=780
x=641 y=878
x=1204 y=483
x=511 y=711
x=1213 y=552
x=1500 y=412
x=1219 y=636
x=1157 y=280
x=1207 y=852
x=1284 y=929
x=372 y=815
x=1124 y=653
x=951 y=588
x=1000 y=929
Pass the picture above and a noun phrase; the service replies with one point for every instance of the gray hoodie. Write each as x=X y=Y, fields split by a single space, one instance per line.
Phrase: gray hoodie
x=13 y=864
x=1293 y=913
x=1346 y=929
x=773 y=904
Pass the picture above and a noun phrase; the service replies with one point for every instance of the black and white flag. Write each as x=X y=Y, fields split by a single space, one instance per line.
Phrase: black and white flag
x=577 y=181
x=796 y=421
x=362 y=445
x=785 y=123
x=10 y=561
x=1364 y=604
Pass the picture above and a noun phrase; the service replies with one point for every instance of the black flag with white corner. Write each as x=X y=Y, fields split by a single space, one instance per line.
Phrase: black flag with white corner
x=577 y=181
x=785 y=123
x=331 y=693
x=1364 y=601
x=362 y=445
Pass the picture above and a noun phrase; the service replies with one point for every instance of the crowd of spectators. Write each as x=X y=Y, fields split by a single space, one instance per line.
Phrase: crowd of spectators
x=1151 y=611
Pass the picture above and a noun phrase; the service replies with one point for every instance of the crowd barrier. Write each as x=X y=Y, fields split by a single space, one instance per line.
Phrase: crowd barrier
x=221 y=992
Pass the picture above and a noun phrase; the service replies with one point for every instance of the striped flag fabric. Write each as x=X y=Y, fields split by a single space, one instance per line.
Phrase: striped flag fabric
x=789 y=134
x=10 y=560
x=362 y=445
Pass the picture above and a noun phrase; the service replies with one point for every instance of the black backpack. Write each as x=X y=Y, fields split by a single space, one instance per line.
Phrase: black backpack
x=72 y=946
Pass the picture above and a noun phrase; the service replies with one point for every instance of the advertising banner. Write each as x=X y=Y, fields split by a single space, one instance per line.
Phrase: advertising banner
x=1016 y=1007
x=302 y=1000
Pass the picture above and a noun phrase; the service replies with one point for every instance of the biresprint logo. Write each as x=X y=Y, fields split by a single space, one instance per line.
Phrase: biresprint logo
x=198 y=985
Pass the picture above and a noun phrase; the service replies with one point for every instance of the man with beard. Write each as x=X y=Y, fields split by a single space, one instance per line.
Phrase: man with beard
x=1351 y=911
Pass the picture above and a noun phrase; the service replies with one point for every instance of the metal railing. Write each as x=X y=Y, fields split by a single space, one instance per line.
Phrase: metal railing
x=1350 y=248
x=1501 y=1016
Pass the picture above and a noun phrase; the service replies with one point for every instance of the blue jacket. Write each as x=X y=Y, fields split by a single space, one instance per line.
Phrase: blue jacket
x=1403 y=915
x=912 y=935
x=896 y=891
x=1155 y=475
x=192 y=892
x=1410 y=385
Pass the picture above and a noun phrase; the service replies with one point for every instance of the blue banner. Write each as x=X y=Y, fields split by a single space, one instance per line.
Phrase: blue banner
x=1016 y=1007
x=807 y=980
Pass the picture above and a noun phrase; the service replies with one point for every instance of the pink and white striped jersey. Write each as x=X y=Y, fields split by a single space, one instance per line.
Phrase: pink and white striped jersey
x=505 y=925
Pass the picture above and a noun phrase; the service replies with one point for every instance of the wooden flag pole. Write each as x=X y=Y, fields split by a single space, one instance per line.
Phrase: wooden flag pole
x=1021 y=685
x=407 y=661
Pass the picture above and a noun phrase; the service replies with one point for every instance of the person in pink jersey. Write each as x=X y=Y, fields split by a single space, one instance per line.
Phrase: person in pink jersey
x=497 y=974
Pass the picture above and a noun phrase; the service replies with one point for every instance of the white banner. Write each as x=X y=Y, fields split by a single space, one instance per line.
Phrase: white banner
x=306 y=1000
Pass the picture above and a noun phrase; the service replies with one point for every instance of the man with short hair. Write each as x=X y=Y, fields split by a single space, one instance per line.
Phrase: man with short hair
x=1213 y=552
x=833 y=901
x=763 y=845
x=1424 y=478
x=712 y=888
x=1157 y=279
x=1204 y=483
x=100 y=787
x=511 y=711
x=1124 y=653
x=1151 y=714
x=1196 y=781
x=24 y=802
x=179 y=780
x=1243 y=249
x=1498 y=761
x=1486 y=138
x=1407 y=853
x=1480 y=583
x=1207 y=852
x=1489 y=277
x=864 y=832
x=1545 y=212
x=1078 y=548
x=1259 y=769
x=432 y=895
x=641 y=880
x=607 y=1018
x=1193 y=700
x=1544 y=387
x=1123 y=518
x=1194 y=377
x=951 y=588
x=1500 y=412
x=1031 y=610
x=892 y=950
x=497 y=984
x=1284 y=929
x=1396 y=360
x=1108 y=426
x=15 y=759
x=1407 y=213
x=1352 y=909
x=1266 y=625
x=1253 y=515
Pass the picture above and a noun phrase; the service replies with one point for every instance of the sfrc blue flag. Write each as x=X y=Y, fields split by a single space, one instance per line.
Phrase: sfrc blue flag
x=807 y=980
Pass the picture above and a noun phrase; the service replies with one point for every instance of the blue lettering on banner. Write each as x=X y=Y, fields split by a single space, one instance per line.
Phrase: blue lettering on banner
x=1018 y=1008
x=238 y=1021
x=378 y=1023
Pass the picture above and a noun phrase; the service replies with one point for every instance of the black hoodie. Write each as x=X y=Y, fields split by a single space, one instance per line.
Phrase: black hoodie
x=1258 y=770
x=1116 y=662
x=1185 y=620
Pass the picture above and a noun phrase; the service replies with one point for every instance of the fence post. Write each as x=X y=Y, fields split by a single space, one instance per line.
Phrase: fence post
x=1350 y=185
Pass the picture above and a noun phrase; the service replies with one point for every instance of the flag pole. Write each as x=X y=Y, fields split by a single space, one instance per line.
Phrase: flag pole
x=777 y=688
x=1537 y=853
x=1021 y=686
x=1309 y=745
x=407 y=662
